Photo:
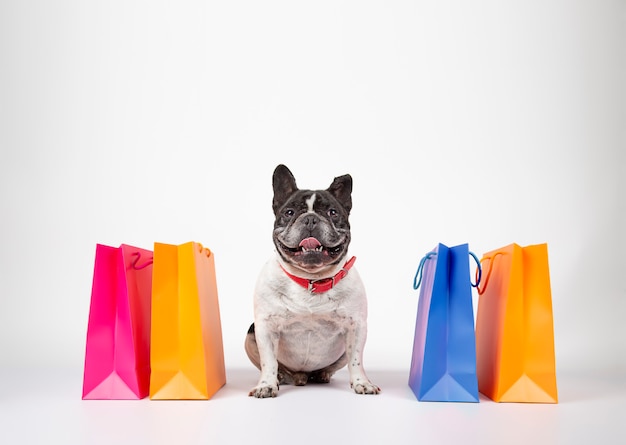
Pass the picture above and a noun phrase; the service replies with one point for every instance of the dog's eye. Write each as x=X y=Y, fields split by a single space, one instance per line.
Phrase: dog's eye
x=289 y=213
x=332 y=213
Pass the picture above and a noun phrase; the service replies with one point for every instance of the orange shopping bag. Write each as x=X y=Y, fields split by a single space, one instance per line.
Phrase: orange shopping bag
x=514 y=327
x=186 y=355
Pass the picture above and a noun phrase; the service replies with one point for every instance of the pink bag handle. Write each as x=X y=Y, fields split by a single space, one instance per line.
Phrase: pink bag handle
x=137 y=256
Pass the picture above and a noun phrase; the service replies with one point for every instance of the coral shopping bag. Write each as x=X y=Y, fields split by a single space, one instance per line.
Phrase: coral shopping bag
x=117 y=353
x=514 y=327
x=443 y=366
x=186 y=356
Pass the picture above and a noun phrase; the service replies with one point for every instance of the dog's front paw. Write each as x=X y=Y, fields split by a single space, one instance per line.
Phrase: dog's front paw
x=264 y=391
x=364 y=387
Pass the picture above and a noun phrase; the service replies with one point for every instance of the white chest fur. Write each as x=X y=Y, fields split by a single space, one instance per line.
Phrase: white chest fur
x=310 y=328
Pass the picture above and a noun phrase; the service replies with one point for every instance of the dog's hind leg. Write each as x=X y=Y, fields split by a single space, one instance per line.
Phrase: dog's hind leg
x=285 y=375
x=324 y=375
x=251 y=347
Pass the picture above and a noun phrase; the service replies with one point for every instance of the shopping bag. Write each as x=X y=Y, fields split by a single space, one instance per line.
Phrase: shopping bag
x=117 y=352
x=443 y=364
x=186 y=355
x=514 y=327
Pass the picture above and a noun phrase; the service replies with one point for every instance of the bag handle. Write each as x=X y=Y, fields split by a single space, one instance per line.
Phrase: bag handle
x=417 y=280
x=491 y=261
x=205 y=250
x=137 y=256
x=479 y=271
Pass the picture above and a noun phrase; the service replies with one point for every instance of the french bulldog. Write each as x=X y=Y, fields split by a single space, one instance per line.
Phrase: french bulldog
x=310 y=307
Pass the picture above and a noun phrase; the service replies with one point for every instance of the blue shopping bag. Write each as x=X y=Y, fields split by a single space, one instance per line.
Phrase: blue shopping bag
x=443 y=365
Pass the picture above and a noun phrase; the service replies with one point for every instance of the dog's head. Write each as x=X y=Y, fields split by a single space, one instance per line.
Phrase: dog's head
x=311 y=230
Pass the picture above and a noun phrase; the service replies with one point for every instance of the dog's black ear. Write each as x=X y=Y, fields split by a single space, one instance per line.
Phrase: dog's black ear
x=284 y=186
x=341 y=188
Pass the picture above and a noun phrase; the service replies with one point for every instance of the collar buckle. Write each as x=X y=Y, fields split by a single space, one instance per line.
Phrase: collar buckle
x=313 y=289
x=323 y=284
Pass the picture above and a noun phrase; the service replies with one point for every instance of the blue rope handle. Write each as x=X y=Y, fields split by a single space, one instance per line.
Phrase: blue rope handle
x=479 y=271
x=417 y=280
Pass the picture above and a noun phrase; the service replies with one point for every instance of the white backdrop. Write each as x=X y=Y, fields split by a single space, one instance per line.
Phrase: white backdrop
x=483 y=122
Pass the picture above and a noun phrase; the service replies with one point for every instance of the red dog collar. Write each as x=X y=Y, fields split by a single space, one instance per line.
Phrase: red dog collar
x=324 y=284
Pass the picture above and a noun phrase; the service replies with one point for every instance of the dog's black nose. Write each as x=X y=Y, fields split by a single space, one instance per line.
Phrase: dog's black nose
x=310 y=221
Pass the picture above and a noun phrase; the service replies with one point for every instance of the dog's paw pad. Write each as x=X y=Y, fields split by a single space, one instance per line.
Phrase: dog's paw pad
x=264 y=392
x=365 y=388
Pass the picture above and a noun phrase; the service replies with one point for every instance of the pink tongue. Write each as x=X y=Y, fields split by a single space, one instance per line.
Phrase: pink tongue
x=310 y=243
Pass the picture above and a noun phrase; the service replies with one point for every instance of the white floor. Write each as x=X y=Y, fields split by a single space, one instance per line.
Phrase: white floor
x=44 y=406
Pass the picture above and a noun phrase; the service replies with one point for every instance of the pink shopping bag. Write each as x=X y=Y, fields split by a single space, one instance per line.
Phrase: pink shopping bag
x=117 y=353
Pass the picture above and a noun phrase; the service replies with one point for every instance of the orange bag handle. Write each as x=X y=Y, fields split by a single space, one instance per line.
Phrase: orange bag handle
x=148 y=262
x=204 y=250
x=486 y=282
